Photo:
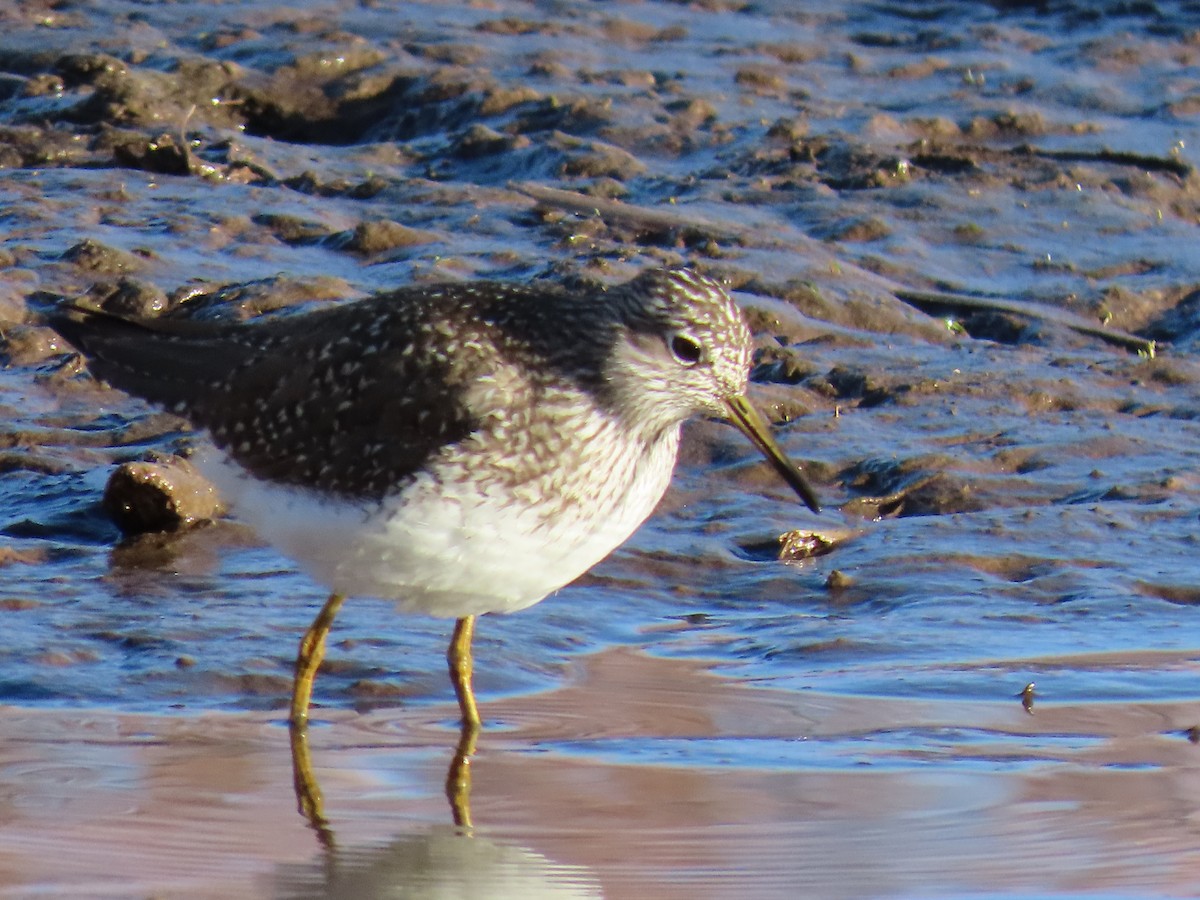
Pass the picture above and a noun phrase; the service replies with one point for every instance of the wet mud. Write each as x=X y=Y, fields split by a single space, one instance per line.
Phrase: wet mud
x=965 y=236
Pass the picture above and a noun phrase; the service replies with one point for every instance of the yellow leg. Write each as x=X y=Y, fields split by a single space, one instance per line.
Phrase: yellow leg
x=462 y=667
x=308 y=660
x=308 y=793
x=458 y=779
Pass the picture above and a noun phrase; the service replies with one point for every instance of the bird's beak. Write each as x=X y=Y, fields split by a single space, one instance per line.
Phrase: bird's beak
x=751 y=423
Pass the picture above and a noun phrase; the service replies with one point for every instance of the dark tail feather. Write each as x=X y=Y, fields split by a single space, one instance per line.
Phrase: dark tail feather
x=158 y=360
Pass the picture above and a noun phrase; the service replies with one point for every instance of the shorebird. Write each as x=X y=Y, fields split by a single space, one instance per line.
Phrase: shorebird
x=459 y=449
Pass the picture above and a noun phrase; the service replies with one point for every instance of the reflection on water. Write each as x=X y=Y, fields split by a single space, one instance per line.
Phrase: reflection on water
x=437 y=863
x=310 y=800
x=857 y=797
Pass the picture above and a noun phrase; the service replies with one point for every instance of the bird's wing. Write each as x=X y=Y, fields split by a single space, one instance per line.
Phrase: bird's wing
x=330 y=399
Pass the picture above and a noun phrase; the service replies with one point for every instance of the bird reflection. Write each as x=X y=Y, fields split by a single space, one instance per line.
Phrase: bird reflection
x=311 y=805
x=436 y=862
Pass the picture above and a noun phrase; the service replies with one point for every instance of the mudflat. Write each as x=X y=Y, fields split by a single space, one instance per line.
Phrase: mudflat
x=966 y=239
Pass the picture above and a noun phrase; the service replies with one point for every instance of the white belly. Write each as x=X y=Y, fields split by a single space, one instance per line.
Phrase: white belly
x=443 y=554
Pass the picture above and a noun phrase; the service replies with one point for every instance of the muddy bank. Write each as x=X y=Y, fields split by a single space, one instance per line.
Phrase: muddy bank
x=1011 y=485
x=848 y=171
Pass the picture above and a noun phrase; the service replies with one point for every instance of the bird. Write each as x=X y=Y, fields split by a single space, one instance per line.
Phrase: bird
x=459 y=448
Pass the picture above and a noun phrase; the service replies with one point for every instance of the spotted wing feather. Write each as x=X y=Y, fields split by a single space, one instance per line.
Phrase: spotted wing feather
x=347 y=400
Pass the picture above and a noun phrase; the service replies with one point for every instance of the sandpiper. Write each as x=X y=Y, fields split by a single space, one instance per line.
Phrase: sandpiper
x=460 y=448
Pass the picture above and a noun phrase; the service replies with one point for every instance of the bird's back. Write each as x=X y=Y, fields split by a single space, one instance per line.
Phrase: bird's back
x=351 y=400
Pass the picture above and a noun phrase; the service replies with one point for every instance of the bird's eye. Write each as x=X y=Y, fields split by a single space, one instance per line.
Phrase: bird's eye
x=686 y=349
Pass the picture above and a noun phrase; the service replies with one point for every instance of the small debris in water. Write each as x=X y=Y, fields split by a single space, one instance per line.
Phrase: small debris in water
x=1026 y=696
x=803 y=544
x=838 y=581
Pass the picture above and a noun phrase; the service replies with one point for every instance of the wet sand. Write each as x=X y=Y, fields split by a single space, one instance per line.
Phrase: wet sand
x=1094 y=798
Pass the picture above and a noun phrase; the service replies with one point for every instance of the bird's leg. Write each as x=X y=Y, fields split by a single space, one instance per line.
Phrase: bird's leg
x=458 y=780
x=312 y=652
x=461 y=669
x=309 y=802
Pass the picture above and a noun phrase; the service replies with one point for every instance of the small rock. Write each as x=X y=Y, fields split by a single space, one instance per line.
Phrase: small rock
x=292 y=229
x=97 y=257
x=376 y=237
x=29 y=345
x=129 y=298
x=479 y=141
x=162 y=155
x=500 y=100
x=159 y=495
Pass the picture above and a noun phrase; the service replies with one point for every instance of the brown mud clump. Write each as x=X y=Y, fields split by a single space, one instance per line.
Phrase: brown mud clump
x=161 y=494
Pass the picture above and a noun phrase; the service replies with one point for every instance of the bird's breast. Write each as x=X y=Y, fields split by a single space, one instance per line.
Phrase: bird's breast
x=471 y=533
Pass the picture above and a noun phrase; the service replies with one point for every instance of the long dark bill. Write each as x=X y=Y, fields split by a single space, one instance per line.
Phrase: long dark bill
x=751 y=423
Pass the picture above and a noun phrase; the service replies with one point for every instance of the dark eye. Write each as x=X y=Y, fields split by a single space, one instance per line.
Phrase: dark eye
x=686 y=349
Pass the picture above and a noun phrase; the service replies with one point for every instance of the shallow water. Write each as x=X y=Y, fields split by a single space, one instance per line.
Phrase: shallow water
x=677 y=783
x=1013 y=500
